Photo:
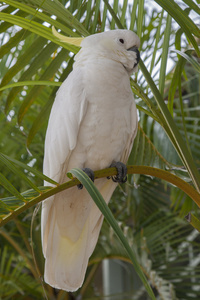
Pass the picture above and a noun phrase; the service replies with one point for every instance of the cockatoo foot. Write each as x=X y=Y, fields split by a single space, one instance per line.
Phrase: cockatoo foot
x=121 y=176
x=90 y=174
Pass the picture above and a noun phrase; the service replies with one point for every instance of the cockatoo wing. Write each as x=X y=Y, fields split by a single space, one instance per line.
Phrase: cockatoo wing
x=66 y=115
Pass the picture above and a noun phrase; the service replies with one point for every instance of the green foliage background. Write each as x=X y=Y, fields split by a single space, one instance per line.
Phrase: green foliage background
x=33 y=65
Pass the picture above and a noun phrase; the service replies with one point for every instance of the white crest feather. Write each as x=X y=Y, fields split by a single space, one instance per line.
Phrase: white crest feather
x=69 y=40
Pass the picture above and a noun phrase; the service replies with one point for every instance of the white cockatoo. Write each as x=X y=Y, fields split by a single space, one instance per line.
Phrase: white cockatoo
x=92 y=124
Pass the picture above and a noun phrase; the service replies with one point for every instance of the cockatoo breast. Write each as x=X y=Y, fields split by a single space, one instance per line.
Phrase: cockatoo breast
x=108 y=121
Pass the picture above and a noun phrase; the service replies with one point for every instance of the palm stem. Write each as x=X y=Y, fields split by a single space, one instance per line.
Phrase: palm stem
x=164 y=175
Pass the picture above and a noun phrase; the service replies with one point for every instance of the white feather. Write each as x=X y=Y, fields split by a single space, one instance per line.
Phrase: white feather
x=93 y=122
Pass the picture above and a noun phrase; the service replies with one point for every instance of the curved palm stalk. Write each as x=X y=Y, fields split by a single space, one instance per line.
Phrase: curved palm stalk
x=31 y=198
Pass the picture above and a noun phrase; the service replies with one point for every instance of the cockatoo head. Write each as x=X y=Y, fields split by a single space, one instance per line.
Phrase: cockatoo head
x=119 y=45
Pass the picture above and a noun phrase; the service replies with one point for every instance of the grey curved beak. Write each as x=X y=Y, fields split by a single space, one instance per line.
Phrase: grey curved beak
x=135 y=49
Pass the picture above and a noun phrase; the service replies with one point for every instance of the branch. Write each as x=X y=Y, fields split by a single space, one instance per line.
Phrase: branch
x=154 y=172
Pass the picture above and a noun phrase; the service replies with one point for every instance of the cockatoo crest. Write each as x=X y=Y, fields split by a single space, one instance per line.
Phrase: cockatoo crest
x=119 y=45
x=65 y=39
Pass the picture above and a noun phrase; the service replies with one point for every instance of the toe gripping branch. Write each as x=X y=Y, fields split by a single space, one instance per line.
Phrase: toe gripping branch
x=90 y=174
x=121 y=176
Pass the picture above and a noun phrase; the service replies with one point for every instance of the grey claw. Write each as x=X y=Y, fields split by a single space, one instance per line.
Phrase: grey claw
x=121 y=176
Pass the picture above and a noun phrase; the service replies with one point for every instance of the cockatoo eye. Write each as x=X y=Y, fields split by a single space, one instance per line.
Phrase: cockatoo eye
x=121 y=41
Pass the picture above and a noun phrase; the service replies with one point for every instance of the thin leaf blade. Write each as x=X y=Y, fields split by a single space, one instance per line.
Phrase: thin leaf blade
x=100 y=202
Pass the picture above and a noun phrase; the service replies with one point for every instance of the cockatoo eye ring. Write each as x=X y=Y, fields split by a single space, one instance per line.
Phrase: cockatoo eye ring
x=121 y=41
